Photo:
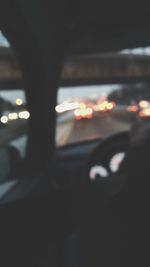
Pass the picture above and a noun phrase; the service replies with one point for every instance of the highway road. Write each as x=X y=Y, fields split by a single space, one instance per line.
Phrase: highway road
x=68 y=130
x=95 y=128
x=86 y=129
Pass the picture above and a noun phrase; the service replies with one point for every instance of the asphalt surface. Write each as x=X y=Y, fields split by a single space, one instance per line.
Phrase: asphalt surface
x=87 y=129
x=95 y=128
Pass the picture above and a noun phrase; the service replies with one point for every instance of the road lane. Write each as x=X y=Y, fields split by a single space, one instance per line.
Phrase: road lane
x=96 y=128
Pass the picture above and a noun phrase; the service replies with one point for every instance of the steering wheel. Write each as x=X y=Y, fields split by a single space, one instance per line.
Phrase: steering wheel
x=100 y=159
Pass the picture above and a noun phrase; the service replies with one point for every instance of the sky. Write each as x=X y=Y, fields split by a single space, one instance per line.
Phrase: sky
x=12 y=95
x=92 y=92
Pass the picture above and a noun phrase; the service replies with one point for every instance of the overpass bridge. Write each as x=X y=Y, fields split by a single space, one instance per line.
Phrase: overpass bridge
x=94 y=69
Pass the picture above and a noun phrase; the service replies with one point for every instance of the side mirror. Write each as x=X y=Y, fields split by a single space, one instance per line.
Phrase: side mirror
x=9 y=158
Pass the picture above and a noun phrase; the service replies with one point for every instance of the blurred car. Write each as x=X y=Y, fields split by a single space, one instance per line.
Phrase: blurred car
x=144 y=112
x=84 y=112
x=104 y=107
x=133 y=108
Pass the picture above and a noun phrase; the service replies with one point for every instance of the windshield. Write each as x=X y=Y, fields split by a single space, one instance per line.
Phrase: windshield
x=90 y=112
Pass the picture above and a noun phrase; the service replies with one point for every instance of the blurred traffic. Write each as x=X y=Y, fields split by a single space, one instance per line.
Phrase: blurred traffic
x=99 y=111
x=90 y=109
x=12 y=112
x=84 y=114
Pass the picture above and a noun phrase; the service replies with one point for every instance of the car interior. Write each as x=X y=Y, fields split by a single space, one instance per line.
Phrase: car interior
x=74 y=133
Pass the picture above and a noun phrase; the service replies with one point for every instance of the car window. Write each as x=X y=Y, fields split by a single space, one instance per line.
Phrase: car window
x=13 y=119
x=13 y=111
x=102 y=95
